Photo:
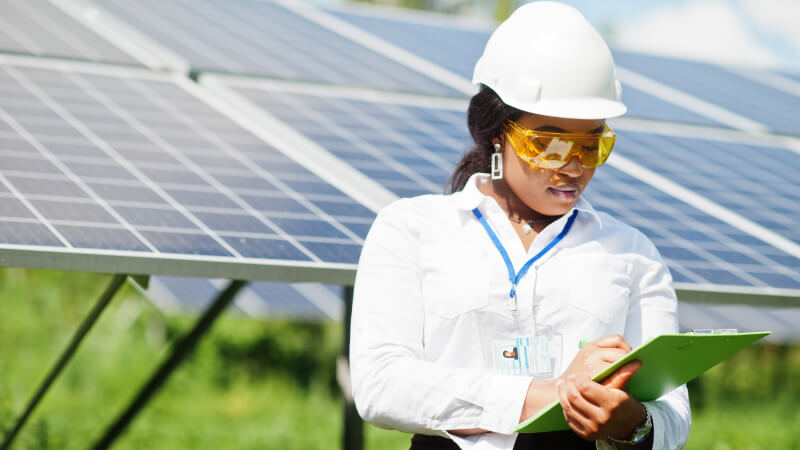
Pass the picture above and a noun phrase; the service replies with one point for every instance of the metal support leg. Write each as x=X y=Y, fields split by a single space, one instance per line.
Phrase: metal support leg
x=116 y=283
x=353 y=425
x=180 y=350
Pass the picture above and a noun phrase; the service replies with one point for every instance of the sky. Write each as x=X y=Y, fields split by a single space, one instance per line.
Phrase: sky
x=743 y=33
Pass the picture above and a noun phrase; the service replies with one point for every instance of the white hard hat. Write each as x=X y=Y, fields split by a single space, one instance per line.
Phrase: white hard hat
x=548 y=59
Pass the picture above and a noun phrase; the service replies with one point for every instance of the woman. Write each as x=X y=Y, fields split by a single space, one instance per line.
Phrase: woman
x=469 y=308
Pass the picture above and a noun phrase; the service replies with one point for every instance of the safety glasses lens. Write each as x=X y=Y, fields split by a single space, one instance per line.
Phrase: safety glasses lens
x=554 y=150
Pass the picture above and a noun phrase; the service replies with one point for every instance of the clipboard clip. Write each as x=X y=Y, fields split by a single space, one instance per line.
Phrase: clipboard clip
x=714 y=331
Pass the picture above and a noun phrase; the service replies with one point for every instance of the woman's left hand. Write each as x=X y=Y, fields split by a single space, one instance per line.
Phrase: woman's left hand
x=595 y=411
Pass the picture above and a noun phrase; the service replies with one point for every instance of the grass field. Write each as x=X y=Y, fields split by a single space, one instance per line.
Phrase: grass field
x=271 y=384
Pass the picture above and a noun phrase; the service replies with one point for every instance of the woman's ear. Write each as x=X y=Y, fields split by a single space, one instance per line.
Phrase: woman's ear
x=498 y=143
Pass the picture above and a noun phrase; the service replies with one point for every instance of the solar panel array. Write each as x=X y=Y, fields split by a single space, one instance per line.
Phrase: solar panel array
x=412 y=150
x=142 y=164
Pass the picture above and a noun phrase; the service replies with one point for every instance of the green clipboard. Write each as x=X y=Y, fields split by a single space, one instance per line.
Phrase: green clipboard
x=669 y=360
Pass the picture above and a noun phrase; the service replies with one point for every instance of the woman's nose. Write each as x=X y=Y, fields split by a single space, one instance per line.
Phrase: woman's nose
x=573 y=167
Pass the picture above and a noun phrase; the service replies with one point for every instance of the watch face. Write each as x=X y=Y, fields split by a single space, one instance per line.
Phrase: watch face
x=640 y=434
x=642 y=431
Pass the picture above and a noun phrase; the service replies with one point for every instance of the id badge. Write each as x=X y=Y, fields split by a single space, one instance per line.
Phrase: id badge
x=525 y=355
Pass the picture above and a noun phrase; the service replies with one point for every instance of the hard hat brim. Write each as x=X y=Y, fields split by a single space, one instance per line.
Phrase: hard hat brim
x=574 y=108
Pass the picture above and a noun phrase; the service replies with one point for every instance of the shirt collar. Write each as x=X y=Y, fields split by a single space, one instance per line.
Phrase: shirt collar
x=470 y=198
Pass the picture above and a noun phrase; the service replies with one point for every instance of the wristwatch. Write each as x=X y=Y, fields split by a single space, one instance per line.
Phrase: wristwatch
x=640 y=433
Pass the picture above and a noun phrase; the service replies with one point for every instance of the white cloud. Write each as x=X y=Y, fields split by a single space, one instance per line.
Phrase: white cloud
x=777 y=16
x=705 y=30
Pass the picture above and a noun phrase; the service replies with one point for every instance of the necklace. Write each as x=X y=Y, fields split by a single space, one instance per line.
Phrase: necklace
x=526 y=224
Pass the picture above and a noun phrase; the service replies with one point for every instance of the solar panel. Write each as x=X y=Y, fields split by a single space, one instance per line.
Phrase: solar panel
x=642 y=105
x=762 y=104
x=698 y=248
x=261 y=300
x=453 y=45
x=756 y=181
x=267 y=39
x=136 y=167
x=408 y=148
x=416 y=146
x=40 y=28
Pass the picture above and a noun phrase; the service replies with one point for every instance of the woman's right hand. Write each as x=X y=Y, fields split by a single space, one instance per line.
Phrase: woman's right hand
x=595 y=356
x=590 y=360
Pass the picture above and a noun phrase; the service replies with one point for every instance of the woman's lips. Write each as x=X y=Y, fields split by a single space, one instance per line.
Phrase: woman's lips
x=566 y=193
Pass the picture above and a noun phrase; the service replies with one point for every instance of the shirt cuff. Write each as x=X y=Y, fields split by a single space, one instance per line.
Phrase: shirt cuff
x=505 y=407
x=659 y=423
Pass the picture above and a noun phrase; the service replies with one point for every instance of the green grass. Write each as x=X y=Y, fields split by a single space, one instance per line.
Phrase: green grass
x=270 y=384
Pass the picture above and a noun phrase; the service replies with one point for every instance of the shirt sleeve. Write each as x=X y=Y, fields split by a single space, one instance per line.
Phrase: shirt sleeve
x=393 y=385
x=654 y=311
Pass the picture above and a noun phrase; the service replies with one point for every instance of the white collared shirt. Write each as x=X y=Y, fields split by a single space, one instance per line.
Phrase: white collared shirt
x=431 y=288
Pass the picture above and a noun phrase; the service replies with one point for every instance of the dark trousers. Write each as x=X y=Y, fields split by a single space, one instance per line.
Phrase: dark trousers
x=555 y=440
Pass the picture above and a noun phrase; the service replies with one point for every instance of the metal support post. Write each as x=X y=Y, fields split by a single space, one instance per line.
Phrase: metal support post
x=353 y=438
x=180 y=350
x=116 y=283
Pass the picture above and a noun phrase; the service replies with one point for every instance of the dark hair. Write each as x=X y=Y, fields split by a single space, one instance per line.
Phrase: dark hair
x=486 y=118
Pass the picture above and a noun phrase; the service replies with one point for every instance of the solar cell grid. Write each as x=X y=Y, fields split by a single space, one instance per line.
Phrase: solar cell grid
x=40 y=28
x=265 y=38
x=705 y=252
x=455 y=47
x=146 y=182
x=378 y=139
x=759 y=102
x=757 y=182
x=642 y=105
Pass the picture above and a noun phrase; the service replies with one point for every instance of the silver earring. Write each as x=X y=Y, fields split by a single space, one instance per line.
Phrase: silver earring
x=497 y=162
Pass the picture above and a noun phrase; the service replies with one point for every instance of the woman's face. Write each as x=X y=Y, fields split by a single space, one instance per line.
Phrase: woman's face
x=548 y=191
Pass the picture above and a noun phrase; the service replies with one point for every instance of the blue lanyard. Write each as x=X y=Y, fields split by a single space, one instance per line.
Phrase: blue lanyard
x=512 y=276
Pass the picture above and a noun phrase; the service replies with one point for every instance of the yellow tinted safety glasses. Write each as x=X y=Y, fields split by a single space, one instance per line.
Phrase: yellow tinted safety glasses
x=551 y=150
